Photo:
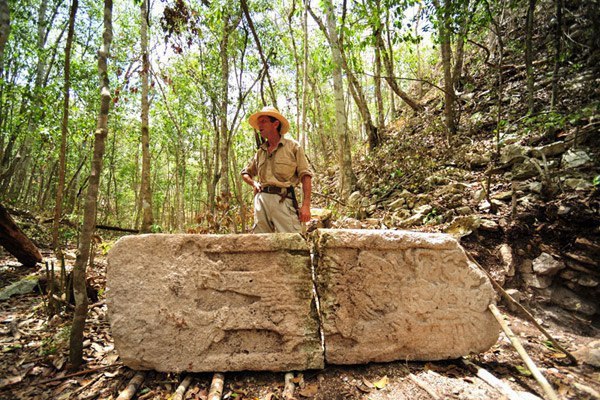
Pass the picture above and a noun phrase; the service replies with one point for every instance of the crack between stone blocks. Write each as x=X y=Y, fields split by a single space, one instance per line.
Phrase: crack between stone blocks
x=314 y=257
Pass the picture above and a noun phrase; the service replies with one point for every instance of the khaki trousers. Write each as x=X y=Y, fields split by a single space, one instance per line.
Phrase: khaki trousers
x=271 y=215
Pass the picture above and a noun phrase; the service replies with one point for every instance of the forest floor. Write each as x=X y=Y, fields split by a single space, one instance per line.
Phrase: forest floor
x=34 y=362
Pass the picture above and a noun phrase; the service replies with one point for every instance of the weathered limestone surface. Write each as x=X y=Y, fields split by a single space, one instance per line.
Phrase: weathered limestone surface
x=213 y=303
x=395 y=295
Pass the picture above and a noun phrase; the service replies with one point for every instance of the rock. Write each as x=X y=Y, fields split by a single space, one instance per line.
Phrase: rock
x=477 y=160
x=350 y=223
x=551 y=150
x=506 y=256
x=463 y=226
x=203 y=303
x=464 y=210
x=578 y=184
x=545 y=264
x=503 y=196
x=537 y=281
x=589 y=353
x=513 y=153
x=399 y=295
x=535 y=187
x=526 y=266
x=488 y=225
x=575 y=158
x=568 y=300
x=413 y=220
x=582 y=258
x=587 y=281
x=515 y=294
x=322 y=217
x=524 y=171
x=423 y=210
x=372 y=222
x=24 y=286
x=355 y=199
x=588 y=245
x=397 y=204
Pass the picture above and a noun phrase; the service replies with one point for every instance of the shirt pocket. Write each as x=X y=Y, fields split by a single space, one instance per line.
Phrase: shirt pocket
x=284 y=169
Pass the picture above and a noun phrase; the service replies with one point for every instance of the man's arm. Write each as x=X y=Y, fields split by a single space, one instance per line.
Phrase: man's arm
x=255 y=185
x=306 y=193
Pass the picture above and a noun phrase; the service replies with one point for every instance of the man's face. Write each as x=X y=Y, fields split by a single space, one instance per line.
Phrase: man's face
x=267 y=127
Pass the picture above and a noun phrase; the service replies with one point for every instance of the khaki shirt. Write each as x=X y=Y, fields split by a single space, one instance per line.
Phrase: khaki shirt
x=284 y=167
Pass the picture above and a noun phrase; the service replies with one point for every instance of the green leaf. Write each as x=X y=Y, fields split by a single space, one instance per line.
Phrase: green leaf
x=523 y=370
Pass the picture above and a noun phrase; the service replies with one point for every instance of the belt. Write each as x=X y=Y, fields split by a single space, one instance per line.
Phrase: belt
x=275 y=190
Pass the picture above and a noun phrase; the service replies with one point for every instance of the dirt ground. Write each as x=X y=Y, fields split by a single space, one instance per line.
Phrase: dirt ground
x=34 y=362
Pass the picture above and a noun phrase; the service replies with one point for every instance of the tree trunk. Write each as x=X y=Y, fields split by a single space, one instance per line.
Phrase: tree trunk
x=347 y=179
x=304 y=140
x=4 y=34
x=529 y=55
x=377 y=78
x=449 y=96
x=391 y=80
x=22 y=168
x=58 y=206
x=89 y=216
x=15 y=241
x=146 y=191
x=557 y=54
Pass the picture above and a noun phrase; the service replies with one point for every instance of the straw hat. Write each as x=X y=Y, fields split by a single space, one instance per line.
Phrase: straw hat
x=271 y=112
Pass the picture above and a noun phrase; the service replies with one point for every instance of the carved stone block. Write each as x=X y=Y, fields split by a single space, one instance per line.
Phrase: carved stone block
x=400 y=295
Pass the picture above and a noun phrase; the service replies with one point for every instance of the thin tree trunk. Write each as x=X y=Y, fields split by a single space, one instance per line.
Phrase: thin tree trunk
x=146 y=191
x=264 y=60
x=446 y=50
x=64 y=128
x=377 y=78
x=89 y=216
x=4 y=34
x=347 y=178
x=557 y=54
x=391 y=80
x=529 y=55
x=304 y=140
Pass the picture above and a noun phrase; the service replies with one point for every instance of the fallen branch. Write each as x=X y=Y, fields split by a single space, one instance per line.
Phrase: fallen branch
x=494 y=382
x=525 y=312
x=132 y=387
x=182 y=388
x=424 y=386
x=288 y=389
x=216 y=387
x=521 y=350
x=85 y=372
x=420 y=383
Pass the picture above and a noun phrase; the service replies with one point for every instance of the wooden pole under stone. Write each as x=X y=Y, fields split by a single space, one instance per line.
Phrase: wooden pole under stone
x=521 y=350
x=288 y=389
x=216 y=387
x=182 y=388
x=132 y=387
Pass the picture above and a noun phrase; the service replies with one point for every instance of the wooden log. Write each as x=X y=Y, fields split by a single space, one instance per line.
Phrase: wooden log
x=289 y=387
x=216 y=387
x=132 y=387
x=521 y=350
x=182 y=388
x=16 y=242
x=494 y=382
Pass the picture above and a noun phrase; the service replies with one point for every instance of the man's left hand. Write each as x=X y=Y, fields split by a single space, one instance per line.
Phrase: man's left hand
x=305 y=213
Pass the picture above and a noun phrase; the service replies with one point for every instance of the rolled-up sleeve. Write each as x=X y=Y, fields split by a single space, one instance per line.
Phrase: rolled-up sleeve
x=303 y=167
x=251 y=169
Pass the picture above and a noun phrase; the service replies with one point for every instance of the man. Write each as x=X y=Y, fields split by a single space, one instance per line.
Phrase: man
x=278 y=166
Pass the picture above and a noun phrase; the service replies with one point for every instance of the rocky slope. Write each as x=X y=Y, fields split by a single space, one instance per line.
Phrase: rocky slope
x=525 y=202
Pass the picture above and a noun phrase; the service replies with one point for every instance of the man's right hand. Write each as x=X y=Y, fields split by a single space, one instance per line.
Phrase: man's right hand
x=257 y=188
